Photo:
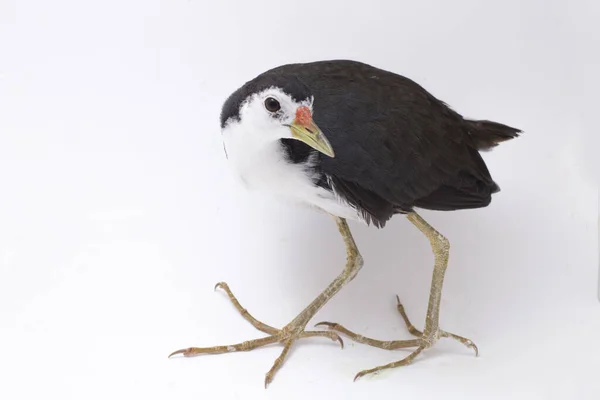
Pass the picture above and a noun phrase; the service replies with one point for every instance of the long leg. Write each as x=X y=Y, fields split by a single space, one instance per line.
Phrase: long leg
x=296 y=328
x=441 y=251
x=441 y=248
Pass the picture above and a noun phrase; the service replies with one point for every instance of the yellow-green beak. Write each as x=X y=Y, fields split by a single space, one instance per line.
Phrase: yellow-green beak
x=309 y=133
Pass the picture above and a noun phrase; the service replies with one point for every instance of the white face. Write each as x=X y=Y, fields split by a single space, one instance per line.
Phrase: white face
x=269 y=114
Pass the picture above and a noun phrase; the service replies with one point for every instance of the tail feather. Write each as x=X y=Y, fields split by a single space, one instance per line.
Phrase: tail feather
x=489 y=134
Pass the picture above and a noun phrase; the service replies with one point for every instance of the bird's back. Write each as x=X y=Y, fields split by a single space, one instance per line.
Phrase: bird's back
x=397 y=146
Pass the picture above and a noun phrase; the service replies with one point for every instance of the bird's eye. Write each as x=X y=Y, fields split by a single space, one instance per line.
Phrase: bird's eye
x=272 y=105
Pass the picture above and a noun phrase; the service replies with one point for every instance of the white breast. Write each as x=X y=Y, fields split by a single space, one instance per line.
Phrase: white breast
x=263 y=166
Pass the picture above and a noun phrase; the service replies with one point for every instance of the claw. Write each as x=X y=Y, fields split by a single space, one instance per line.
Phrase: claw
x=331 y=335
x=333 y=326
x=474 y=347
x=219 y=285
x=360 y=375
x=399 y=304
x=373 y=371
x=339 y=339
x=467 y=342
x=182 y=351
x=330 y=325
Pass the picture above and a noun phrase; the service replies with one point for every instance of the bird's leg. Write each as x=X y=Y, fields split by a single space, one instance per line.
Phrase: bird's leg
x=296 y=328
x=426 y=339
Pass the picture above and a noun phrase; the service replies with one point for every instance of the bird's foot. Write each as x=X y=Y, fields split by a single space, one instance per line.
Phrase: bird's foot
x=286 y=336
x=423 y=341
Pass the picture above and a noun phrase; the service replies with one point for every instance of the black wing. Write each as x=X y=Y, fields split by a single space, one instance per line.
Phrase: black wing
x=397 y=146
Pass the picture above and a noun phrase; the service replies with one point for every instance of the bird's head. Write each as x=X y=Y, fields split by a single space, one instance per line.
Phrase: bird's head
x=272 y=113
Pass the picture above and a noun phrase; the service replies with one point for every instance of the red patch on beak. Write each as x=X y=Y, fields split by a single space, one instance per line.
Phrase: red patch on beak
x=303 y=115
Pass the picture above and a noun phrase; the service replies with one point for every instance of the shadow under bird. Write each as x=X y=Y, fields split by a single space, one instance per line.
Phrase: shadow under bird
x=359 y=143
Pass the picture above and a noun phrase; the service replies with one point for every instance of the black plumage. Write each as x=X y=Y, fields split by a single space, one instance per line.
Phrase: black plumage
x=397 y=146
x=378 y=141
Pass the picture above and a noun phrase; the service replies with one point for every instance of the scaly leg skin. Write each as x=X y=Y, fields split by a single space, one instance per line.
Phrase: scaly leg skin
x=295 y=329
x=432 y=332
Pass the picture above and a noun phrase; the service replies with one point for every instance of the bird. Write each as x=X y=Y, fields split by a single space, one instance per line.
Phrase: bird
x=358 y=143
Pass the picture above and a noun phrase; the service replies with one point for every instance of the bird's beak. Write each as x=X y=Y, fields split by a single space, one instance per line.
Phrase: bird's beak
x=304 y=129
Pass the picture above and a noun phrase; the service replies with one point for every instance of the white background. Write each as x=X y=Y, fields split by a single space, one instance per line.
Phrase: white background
x=118 y=213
